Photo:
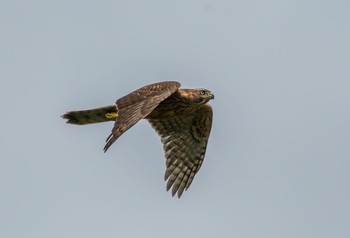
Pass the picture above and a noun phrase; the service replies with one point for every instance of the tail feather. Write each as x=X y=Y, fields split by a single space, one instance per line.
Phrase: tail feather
x=102 y=114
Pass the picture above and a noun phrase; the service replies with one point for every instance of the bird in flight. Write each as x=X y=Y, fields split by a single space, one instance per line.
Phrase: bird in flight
x=181 y=117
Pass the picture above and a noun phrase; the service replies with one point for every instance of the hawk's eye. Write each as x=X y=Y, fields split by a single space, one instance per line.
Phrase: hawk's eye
x=203 y=92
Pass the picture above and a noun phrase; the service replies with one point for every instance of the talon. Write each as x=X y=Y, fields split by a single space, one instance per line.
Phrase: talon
x=111 y=115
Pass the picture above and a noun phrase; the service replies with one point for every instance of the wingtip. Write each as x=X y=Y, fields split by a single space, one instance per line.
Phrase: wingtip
x=179 y=195
x=174 y=192
x=105 y=148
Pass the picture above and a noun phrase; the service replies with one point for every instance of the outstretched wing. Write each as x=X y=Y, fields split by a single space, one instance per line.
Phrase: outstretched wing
x=138 y=104
x=184 y=141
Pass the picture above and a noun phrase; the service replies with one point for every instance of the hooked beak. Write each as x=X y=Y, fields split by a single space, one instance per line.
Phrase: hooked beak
x=212 y=96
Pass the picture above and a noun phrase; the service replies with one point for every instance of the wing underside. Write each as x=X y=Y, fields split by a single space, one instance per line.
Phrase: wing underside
x=184 y=141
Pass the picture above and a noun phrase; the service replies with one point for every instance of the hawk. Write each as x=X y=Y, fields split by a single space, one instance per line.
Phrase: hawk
x=181 y=117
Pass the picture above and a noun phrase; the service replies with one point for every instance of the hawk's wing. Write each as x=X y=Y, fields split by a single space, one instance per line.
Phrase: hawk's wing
x=138 y=104
x=184 y=141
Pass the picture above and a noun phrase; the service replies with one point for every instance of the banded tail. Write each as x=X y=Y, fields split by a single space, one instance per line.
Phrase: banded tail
x=101 y=114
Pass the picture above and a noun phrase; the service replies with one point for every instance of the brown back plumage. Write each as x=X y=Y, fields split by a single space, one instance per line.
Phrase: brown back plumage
x=137 y=105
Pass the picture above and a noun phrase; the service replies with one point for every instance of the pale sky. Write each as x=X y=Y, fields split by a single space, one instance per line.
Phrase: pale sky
x=278 y=159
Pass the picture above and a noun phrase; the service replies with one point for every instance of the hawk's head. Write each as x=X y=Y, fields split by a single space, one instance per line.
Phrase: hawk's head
x=197 y=96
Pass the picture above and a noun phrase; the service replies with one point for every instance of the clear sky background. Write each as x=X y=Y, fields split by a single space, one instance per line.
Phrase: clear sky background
x=278 y=159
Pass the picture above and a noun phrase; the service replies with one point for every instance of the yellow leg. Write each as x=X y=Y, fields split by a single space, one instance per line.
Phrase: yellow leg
x=111 y=115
